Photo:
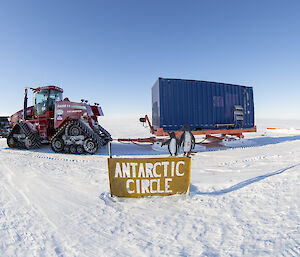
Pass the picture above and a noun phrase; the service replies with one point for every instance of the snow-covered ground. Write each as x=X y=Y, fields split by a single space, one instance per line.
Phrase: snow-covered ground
x=244 y=201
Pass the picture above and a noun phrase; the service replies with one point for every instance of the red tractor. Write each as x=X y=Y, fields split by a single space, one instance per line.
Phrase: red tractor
x=69 y=127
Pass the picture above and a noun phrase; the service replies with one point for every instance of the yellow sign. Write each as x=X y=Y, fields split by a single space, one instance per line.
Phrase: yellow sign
x=134 y=177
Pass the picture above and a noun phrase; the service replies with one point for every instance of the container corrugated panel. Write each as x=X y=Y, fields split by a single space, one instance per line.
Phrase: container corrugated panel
x=202 y=105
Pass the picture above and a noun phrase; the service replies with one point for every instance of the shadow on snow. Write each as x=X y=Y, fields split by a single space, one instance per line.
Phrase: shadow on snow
x=264 y=140
x=194 y=190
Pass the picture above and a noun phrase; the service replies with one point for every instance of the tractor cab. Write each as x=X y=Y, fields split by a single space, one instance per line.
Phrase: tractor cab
x=45 y=98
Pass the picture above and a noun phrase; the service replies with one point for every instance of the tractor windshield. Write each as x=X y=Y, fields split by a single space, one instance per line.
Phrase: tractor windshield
x=45 y=100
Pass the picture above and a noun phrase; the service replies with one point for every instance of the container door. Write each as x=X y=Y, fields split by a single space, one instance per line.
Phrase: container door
x=248 y=107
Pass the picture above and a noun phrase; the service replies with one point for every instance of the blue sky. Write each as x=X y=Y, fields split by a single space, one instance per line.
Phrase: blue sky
x=113 y=51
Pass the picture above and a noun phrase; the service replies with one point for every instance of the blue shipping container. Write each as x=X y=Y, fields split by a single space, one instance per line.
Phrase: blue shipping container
x=202 y=105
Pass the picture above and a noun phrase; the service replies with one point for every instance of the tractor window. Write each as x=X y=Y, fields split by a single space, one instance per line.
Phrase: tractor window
x=53 y=97
x=41 y=99
x=45 y=100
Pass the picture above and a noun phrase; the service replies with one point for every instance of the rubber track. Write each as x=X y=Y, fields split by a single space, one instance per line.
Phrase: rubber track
x=105 y=132
x=17 y=144
x=34 y=137
x=59 y=132
x=101 y=139
x=87 y=131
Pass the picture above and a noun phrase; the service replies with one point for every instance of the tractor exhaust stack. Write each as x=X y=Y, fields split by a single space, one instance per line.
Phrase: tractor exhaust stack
x=25 y=105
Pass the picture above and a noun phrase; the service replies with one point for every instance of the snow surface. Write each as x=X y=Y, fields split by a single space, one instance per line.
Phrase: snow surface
x=244 y=201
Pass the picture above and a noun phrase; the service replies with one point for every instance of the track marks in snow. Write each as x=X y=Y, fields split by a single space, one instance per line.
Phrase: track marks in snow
x=30 y=231
x=249 y=161
x=23 y=231
x=54 y=156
